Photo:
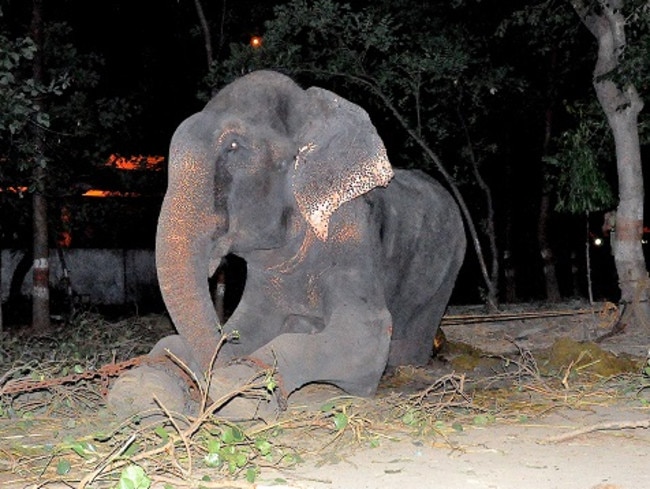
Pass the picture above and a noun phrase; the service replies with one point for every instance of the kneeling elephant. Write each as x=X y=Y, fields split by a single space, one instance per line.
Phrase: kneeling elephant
x=350 y=263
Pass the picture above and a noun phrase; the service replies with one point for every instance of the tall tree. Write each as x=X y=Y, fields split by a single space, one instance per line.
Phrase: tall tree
x=55 y=127
x=41 y=268
x=615 y=88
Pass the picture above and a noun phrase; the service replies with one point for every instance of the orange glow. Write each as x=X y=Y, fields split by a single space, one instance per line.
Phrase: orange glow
x=65 y=239
x=256 y=42
x=136 y=162
x=15 y=190
x=109 y=193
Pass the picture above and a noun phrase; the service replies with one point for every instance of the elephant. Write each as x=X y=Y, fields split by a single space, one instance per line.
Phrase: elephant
x=350 y=262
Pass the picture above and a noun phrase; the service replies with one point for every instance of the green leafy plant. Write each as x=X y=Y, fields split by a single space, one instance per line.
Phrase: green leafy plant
x=232 y=450
x=133 y=477
x=580 y=182
x=338 y=414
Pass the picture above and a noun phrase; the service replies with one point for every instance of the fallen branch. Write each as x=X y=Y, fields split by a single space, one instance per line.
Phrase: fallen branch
x=612 y=425
x=24 y=385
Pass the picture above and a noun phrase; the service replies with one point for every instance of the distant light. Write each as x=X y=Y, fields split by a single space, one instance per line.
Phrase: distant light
x=256 y=42
x=598 y=241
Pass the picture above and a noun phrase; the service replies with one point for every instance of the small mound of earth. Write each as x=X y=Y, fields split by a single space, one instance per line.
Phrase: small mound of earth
x=537 y=327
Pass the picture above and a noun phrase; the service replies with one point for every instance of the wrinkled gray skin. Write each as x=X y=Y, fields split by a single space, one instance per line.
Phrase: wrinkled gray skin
x=332 y=296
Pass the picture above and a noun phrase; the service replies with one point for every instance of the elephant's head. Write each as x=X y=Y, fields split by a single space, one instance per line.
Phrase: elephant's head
x=264 y=161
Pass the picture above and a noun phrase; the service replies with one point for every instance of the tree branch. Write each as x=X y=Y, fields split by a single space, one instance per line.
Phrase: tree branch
x=614 y=425
x=206 y=32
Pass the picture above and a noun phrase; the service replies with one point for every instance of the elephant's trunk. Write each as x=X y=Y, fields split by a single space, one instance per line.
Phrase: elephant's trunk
x=186 y=225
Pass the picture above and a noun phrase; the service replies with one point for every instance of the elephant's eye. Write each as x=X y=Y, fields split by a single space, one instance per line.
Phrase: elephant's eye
x=233 y=146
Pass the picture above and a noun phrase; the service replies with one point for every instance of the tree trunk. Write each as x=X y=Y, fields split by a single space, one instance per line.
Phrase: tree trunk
x=40 y=291
x=622 y=106
x=205 y=30
x=1 y=320
x=546 y=253
x=490 y=231
x=543 y=219
x=509 y=268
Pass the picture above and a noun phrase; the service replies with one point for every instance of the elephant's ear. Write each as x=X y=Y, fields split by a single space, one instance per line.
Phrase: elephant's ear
x=340 y=157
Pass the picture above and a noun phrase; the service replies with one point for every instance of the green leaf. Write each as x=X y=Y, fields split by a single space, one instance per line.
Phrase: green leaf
x=233 y=435
x=271 y=384
x=214 y=445
x=133 y=477
x=326 y=408
x=263 y=446
x=63 y=467
x=251 y=474
x=410 y=418
x=241 y=459
x=213 y=459
x=340 y=421
x=132 y=450
x=83 y=449
x=483 y=419
x=162 y=433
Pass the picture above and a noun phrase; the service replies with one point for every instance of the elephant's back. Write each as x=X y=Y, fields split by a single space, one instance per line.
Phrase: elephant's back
x=416 y=213
x=423 y=245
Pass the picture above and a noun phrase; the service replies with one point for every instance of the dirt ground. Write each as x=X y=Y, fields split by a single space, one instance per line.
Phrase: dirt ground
x=503 y=456
x=519 y=453
x=516 y=444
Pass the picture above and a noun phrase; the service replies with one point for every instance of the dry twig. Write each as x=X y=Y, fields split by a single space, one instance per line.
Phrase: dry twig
x=612 y=425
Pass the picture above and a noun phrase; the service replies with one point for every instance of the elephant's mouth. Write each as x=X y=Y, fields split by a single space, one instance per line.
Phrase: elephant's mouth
x=245 y=241
x=227 y=285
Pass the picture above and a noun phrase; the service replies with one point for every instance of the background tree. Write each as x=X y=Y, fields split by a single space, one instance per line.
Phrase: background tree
x=54 y=133
x=620 y=66
x=580 y=182
x=22 y=125
x=40 y=249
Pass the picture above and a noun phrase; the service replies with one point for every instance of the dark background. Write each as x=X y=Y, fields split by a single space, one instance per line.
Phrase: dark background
x=153 y=53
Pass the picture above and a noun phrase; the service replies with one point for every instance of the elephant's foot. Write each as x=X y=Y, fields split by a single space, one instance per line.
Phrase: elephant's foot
x=236 y=392
x=239 y=392
x=157 y=387
x=150 y=391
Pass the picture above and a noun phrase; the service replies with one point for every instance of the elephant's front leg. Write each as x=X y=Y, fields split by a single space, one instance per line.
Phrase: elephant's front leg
x=258 y=318
x=351 y=351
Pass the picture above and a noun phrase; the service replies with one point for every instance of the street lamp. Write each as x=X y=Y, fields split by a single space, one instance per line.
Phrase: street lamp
x=256 y=42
